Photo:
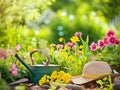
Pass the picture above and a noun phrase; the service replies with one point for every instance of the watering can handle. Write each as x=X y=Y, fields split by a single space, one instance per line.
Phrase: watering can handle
x=46 y=54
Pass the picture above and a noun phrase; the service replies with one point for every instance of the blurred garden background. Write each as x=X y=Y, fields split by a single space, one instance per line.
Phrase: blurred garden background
x=26 y=25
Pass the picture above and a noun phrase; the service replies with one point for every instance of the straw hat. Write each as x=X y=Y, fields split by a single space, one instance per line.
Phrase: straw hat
x=92 y=71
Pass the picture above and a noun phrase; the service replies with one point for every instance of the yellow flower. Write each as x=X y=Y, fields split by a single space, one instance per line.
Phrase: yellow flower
x=66 y=77
x=59 y=77
x=53 y=75
x=71 y=57
x=52 y=45
x=30 y=48
x=42 y=80
x=61 y=39
x=74 y=39
x=61 y=72
x=81 y=47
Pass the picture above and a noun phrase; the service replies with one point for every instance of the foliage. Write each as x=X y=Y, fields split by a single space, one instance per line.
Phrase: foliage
x=14 y=16
x=16 y=12
x=105 y=83
x=4 y=70
x=87 y=16
x=71 y=56
x=33 y=25
x=102 y=8
x=28 y=19
x=3 y=84
x=59 y=77
x=20 y=87
x=108 y=50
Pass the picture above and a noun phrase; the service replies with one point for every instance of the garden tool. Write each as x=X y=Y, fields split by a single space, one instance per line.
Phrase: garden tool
x=38 y=71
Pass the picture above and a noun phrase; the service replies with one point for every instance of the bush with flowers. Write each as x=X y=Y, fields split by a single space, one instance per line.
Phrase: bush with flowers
x=55 y=77
x=10 y=68
x=72 y=55
x=108 y=50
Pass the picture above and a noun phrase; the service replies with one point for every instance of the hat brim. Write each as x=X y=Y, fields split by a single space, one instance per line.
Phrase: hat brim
x=81 y=80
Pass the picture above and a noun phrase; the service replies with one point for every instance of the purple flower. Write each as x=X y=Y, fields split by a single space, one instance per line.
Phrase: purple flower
x=101 y=44
x=93 y=46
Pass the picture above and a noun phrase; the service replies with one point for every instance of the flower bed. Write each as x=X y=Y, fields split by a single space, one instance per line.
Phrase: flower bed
x=108 y=50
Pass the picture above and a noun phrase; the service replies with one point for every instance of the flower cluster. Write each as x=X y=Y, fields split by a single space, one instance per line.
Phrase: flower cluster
x=109 y=39
x=74 y=39
x=107 y=50
x=60 y=77
x=3 y=55
x=14 y=70
x=71 y=55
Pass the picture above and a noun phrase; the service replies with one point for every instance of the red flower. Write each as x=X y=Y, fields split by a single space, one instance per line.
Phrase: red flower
x=110 y=33
x=117 y=41
x=106 y=40
x=101 y=44
x=112 y=40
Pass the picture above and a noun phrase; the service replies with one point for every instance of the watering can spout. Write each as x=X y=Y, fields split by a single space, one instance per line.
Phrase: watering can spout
x=26 y=65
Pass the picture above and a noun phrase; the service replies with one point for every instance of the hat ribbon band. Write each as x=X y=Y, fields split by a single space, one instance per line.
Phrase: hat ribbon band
x=93 y=76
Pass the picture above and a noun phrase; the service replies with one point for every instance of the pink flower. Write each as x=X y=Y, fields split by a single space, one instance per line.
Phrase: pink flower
x=117 y=41
x=110 y=33
x=112 y=40
x=3 y=54
x=10 y=52
x=106 y=40
x=13 y=66
x=78 y=34
x=101 y=44
x=59 y=46
x=69 y=44
x=14 y=70
x=18 y=47
x=93 y=46
x=73 y=47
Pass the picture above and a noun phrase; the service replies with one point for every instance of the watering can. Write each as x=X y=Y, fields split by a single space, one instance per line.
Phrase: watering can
x=38 y=71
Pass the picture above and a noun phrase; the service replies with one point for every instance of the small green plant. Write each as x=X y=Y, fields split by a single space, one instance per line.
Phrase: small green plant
x=3 y=84
x=105 y=83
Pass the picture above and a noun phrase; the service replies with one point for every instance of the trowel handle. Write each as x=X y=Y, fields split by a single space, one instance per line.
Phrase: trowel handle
x=40 y=51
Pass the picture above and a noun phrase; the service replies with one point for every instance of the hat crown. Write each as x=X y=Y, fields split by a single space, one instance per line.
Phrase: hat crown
x=96 y=67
